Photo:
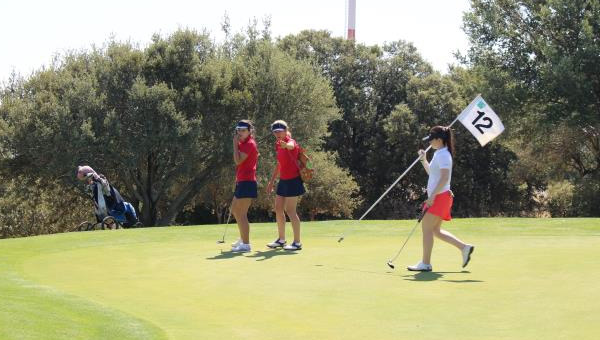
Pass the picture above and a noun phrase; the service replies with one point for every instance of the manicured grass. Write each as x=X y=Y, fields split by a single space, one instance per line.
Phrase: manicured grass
x=529 y=279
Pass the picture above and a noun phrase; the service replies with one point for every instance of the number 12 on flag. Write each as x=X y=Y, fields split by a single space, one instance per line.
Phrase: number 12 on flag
x=481 y=120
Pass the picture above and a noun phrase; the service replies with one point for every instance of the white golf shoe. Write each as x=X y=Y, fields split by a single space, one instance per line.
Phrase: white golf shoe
x=466 y=254
x=293 y=246
x=236 y=243
x=241 y=248
x=276 y=244
x=420 y=267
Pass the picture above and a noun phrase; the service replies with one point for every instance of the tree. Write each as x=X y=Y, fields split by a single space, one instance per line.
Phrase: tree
x=481 y=175
x=390 y=97
x=368 y=83
x=332 y=192
x=156 y=121
x=40 y=206
x=541 y=62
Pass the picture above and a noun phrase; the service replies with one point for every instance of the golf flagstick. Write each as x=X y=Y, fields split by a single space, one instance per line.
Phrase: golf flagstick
x=472 y=118
x=341 y=238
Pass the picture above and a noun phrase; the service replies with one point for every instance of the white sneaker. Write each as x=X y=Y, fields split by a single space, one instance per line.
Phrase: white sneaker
x=276 y=244
x=241 y=248
x=236 y=243
x=293 y=246
x=466 y=254
x=420 y=267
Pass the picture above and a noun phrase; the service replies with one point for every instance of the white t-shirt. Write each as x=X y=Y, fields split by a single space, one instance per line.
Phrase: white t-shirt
x=442 y=159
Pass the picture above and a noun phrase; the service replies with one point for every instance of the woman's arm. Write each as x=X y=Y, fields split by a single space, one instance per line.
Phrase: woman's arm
x=289 y=145
x=275 y=173
x=272 y=180
x=444 y=175
x=238 y=157
x=423 y=156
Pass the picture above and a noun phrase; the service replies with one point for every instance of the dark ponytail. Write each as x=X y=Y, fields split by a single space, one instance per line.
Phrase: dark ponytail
x=447 y=136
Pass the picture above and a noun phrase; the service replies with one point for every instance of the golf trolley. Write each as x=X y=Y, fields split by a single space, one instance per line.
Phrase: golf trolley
x=108 y=222
x=111 y=211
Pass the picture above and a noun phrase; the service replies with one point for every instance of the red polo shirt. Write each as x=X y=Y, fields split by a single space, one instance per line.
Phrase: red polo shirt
x=246 y=171
x=287 y=159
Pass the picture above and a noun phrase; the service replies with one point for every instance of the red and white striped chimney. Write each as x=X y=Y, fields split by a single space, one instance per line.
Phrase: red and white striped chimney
x=351 y=20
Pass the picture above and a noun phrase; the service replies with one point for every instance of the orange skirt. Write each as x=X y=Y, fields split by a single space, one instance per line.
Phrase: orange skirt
x=442 y=205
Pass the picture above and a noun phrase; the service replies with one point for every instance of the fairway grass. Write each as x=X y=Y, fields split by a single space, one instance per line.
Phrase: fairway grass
x=528 y=279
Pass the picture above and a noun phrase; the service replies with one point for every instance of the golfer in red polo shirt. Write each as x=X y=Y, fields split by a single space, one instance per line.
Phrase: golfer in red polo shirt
x=290 y=185
x=245 y=156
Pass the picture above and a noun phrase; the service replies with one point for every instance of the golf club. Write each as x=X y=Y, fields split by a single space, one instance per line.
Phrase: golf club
x=222 y=240
x=390 y=263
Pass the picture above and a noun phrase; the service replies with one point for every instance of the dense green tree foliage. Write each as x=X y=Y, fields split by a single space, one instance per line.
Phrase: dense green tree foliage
x=539 y=62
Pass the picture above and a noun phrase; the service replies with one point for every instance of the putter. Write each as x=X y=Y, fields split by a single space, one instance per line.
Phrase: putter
x=390 y=263
x=222 y=240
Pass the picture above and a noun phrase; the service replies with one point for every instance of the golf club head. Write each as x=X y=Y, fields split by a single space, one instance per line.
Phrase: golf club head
x=390 y=264
x=340 y=239
x=220 y=241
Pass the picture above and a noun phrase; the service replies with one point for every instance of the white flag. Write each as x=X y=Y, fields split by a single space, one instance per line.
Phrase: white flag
x=481 y=120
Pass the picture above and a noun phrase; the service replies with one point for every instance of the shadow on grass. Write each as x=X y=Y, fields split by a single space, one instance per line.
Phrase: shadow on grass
x=225 y=255
x=418 y=276
x=268 y=254
x=435 y=276
x=357 y=270
x=424 y=276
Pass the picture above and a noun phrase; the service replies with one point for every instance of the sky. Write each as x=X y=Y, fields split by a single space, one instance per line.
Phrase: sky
x=35 y=31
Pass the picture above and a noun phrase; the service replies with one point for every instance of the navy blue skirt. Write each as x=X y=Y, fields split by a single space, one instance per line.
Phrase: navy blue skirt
x=245 y=189
x=290 y=187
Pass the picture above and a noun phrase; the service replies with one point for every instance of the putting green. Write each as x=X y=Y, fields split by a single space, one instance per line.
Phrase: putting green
x=529 y=279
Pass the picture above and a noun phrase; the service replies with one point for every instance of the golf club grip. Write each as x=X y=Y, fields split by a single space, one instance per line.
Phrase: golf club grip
x=422 y=215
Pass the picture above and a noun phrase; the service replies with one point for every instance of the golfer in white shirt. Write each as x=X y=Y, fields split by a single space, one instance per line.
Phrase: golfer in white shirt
x=439 y=198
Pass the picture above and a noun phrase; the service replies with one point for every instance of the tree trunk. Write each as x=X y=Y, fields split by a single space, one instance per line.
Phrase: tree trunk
x=178 y=203
x=219 y=214
x=148 y=213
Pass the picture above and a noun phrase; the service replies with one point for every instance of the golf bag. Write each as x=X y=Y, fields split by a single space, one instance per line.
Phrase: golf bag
x=109 y=206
